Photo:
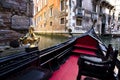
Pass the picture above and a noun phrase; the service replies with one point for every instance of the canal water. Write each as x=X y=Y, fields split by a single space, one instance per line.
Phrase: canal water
x=115 y=41
x=48 y=40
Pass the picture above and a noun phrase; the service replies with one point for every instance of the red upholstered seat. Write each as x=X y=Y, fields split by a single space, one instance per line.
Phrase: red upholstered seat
x=86 y=46
x=86 y=40
x=80 y=51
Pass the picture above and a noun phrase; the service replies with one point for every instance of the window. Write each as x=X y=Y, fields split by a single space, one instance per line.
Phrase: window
x=51 y=12
x=50 y=23
x=35 y=22
x=70 y=4
x=113 y=15
x=37 y=1
x=62 y=21
x=41 y=17
x=62 y=5
x=94 y=7
x=45 y=15
x=119 y=17
x=100 y=9
x=36 y=9
x=39 y=8
x=44 y=24
x=78 y=21
x=41 y=3
x=79 y=3
x=109 y=18
x=46 y=2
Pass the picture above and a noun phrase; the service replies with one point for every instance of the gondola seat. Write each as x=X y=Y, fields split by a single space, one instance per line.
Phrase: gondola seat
x=85 y=45
x=97 y=67
x=85 y=52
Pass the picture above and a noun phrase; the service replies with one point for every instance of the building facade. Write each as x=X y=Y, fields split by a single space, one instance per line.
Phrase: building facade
x=49 y=15
x=117 y=14
x=77 y=15
x=82 y=13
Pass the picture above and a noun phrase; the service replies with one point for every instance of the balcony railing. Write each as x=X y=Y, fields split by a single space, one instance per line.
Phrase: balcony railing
x=80 y=12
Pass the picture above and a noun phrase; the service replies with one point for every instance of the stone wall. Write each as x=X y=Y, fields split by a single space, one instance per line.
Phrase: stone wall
x=23 y=9
x=15 y=16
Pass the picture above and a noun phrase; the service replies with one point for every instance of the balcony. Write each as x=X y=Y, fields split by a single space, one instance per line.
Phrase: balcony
x=80 y=12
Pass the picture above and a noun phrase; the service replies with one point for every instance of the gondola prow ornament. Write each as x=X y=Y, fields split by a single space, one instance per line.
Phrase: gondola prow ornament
x=30 y=39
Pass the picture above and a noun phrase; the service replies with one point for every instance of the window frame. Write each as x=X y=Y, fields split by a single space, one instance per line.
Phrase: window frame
x=62 y=22
x=78 y=24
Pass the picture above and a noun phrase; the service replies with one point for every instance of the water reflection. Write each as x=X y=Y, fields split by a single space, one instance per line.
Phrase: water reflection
x=114 y=41
x=51 y=39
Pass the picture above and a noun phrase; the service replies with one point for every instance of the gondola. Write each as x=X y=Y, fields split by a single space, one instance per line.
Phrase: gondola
x=79 y=58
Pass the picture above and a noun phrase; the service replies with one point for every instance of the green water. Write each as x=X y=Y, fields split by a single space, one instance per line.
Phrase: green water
x=114 y=41
x=51 y=40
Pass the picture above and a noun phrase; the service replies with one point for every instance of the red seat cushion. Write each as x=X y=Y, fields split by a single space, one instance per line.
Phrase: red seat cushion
x=86 y=46
x=88 y=52
x=87 y=41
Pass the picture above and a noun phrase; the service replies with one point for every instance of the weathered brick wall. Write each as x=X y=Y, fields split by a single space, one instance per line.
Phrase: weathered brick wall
x=23 y=9
x=4 y=20
x=14 y=15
